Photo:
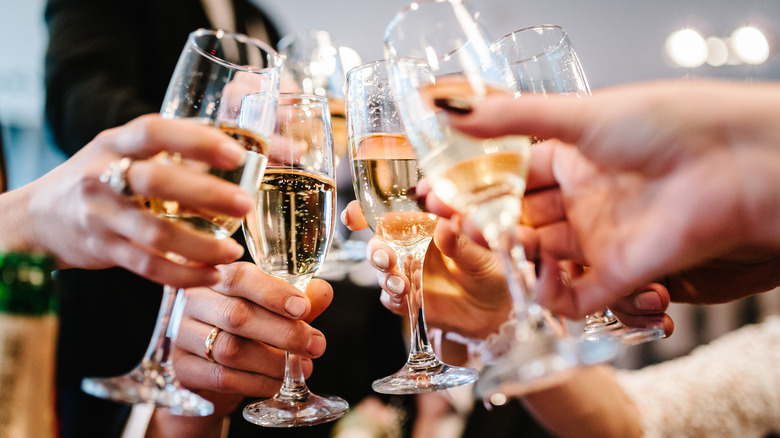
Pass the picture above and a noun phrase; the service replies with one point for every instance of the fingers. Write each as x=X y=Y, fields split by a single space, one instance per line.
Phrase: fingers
x=147 y=135
x=645 y=308
x=231 y=350
x=162 y=235
x=353 y=217
x=189 y=187
x=541 y=116
x=251 y=305
x=391 y=280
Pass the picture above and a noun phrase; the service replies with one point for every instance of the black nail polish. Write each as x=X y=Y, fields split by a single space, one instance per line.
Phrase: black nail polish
x=411 y=193
x=454 y=105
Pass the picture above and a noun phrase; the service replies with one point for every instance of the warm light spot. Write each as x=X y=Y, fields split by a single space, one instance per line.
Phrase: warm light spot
x=717 y=51
x=750 y=45
x=686 y=48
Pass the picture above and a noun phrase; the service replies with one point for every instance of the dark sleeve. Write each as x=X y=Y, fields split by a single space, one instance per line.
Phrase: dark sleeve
x=93 y=69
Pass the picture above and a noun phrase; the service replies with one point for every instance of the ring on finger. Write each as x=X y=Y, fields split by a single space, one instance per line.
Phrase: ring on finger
x=209 y=346
x=115 y=176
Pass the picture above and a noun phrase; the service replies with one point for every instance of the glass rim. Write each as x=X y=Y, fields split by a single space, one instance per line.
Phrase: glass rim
x=564 y=35
x=363 y=66
x=299 y=97
x=274 y=57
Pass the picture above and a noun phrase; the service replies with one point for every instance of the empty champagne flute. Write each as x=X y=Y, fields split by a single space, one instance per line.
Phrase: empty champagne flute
x=289 y=233
x=384 y=168
x=542 y=60
x=439 y=55
x=215 y=69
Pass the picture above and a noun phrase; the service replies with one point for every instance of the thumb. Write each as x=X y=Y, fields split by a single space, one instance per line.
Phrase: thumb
x=320 y=293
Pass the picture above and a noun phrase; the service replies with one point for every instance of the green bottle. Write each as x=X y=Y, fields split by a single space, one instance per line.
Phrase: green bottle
x=28 y=339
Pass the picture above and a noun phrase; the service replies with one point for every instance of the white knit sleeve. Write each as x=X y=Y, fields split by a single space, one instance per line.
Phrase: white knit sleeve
x=728 y=388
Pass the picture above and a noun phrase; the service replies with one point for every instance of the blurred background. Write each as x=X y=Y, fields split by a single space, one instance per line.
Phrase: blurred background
x=618 y=41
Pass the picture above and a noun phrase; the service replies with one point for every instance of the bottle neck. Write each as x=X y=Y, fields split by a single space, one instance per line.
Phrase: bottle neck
x=26 y=285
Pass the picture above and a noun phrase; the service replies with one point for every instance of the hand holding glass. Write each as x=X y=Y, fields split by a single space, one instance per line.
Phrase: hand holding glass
x=289 y=234
x=214 y=71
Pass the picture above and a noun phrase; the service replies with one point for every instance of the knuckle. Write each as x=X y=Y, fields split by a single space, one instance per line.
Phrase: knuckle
x=236 y=313
x=230 y=349
x=235 y=274
x=221 y=378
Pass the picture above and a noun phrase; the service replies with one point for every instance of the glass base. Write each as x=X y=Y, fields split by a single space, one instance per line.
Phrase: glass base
x=415 y=379
x=542 y=363
x=310 y=411
x=162 y=392
x=626 y=335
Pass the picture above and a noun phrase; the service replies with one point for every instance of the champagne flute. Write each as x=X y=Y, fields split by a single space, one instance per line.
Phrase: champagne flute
x=214 y=70
x=289 y=233
x=439 y=55
x=543 y=61
x=384 y=168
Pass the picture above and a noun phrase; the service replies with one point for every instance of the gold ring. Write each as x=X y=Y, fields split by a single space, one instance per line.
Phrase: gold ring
x=115 y=176
x=210 y=344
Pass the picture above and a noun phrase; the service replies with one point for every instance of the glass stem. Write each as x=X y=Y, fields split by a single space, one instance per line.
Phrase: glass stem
x=410 y=261
x=157 y=363
x=520 y=280
x=294 y=386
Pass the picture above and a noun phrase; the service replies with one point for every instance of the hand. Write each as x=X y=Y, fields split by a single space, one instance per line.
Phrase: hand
x=647 y=181
x=71 y=215
x=465 y=287
x=260 y=318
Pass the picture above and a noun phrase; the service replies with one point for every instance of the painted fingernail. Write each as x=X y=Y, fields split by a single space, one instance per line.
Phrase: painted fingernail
x=295 y=306
x=649 y=300
x=454 y=105
x=316 y=345
x=412 y=194
x=395 y=285
x=381 y=259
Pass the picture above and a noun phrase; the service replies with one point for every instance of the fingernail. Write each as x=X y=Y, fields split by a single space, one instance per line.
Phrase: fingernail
x=236 y=250
x=649 y=300
x=295 y=306
x=381 y=259
x=217 y=277
x=411 y=193
x=657 y=325
x=234 y=152
x=395 y=284
x=344 y=217
x=316 y=345
x=454 y=105
x=242 y=201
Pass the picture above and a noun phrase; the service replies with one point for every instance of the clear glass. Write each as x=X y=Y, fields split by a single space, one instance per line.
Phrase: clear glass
x=315 y=64
x=289 y=234
x=214 y=71
x=543 y=61
x=384 y=168
x=437 y=50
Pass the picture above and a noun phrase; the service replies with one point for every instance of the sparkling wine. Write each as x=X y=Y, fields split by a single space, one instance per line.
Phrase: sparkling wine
x=384 y=171
x=293 y=222
x=482 y=178
x=245 y=176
